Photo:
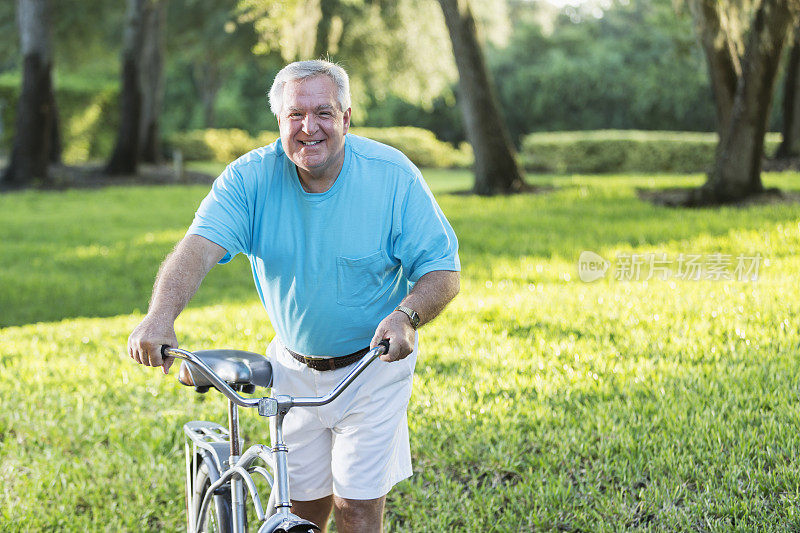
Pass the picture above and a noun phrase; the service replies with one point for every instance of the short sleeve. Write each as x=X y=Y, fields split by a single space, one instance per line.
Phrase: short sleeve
x=224 y=215
x=424 y=240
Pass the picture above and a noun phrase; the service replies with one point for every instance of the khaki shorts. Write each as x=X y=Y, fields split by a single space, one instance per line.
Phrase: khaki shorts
x=357 y=446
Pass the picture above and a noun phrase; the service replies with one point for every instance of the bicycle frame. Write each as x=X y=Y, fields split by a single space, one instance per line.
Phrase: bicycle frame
x=212 y=440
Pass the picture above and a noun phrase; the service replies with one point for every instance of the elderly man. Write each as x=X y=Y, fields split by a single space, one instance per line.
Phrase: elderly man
x=348 y=247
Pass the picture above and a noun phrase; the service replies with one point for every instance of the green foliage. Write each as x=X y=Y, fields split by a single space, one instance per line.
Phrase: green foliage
x=227 y=145
x=380 y=43
x=9 y=36
x=637 y=67
x=540 y=402
x=9 y=94
x=421 y=146
x=441 y=117
x=87 y=112
x=213 y=78
x=86 y=36
x=608 y=151
x=192 y=144
x=218 y=145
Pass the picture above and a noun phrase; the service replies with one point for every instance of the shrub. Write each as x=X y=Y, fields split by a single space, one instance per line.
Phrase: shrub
x=221 y=145
x=267 y=137
x=192 y=145
x=606 y=151
x=87 y=115
x=227 y=145
x=421 y=146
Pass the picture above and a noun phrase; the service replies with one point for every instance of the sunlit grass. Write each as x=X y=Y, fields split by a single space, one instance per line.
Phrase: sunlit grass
x=541 y=402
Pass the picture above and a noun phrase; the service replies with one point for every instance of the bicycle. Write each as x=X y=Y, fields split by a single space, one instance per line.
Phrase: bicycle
x=216 y=471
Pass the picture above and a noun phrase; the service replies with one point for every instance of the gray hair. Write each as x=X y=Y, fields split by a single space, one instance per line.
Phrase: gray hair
x=301 y=70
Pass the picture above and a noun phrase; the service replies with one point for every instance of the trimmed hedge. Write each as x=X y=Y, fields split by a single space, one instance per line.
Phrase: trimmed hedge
x=421 y=146
x=221 y=145
x=88 y=117
x=606 y=151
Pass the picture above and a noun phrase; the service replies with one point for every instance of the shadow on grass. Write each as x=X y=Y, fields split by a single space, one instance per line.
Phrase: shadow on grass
x=52 y=289
x=595 y=443
x=96 y=253
x=572 y=219
x=683 y=197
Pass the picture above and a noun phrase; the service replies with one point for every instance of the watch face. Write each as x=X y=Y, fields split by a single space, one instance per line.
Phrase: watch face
x=413 y=317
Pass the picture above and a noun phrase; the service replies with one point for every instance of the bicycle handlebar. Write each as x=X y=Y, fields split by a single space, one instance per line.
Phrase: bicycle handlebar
x=368 y=358
x=212 y=376
x=264 y=410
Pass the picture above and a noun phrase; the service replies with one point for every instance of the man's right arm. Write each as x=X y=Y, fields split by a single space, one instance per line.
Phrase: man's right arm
x=178 y=279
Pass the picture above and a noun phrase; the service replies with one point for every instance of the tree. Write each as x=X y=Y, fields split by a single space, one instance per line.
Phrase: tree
x=36 y=142
x=496 y=168
x=790 y=131
x=380 y=42
x=151 y=72
x=635 y=67
x=210 y=44
x=743 y=63
x=125 y=157
x=141 y=86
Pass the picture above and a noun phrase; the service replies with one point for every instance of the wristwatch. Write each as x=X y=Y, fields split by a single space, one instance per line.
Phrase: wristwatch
x=412 y=315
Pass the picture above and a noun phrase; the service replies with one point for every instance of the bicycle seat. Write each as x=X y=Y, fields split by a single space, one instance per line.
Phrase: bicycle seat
x=237 y=367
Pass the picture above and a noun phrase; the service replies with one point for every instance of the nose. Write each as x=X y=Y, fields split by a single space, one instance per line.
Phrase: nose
x=309 y=124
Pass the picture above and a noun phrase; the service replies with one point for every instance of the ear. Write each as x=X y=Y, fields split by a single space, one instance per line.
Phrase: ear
x=346 y=120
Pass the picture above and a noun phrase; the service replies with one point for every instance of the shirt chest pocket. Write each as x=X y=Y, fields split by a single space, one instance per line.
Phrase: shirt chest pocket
x=362 y=280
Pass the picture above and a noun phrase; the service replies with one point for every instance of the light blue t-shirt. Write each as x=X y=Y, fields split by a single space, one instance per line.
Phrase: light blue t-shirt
x=329 y=267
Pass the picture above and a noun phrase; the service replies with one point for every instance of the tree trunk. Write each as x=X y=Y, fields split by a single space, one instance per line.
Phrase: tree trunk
x=327 y=10
x=496 y=169
x=36 y=139
x=125 y=158
x=737 y=169
x=152 y=80
x=55 y=130
x=722 y=58
x=790 y=143
x=207 y=81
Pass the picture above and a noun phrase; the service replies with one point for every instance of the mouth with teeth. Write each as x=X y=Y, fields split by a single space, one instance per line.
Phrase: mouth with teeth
x=310 y=143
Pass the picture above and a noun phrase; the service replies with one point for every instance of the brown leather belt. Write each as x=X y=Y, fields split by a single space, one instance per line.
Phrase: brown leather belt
x=329 y=363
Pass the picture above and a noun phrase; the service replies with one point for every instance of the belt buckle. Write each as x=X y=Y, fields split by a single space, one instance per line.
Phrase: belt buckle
x=320 y=363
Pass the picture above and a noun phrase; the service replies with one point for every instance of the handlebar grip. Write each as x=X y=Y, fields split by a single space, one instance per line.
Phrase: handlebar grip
x=385 y=344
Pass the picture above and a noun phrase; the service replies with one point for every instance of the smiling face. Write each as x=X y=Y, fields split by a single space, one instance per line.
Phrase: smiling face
x=312 y=131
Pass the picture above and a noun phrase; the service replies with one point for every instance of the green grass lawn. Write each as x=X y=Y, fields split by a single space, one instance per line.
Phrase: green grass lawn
x=541 y=402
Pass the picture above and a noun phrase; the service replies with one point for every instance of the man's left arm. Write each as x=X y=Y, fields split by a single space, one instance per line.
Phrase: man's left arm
x=429 y=296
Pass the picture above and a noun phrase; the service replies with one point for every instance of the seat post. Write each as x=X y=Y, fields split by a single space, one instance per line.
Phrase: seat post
x=233 y=428
x=237 y=484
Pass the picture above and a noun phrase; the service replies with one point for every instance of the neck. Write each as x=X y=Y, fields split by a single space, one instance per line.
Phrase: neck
x=312 y=183
x=320 y=180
